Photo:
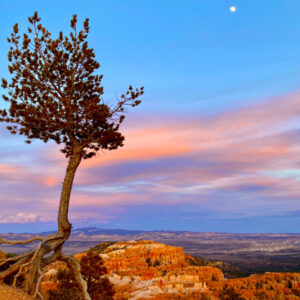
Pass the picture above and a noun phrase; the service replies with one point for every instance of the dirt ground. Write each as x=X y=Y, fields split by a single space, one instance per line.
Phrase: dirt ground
x=8 y=293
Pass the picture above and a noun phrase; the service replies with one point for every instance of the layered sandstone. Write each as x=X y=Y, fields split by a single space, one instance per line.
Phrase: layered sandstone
x=146 y=269
x=49 y=280
x=261 y=286
x=142 y=254
x=149 y=270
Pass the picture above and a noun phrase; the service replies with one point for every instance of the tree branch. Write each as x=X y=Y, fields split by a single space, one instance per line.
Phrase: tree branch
x=15 y=267
x=5 y=260
x=37 y=238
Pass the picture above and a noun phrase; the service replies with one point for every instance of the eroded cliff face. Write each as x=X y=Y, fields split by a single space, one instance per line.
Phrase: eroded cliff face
x=142 y=255
x=146 y=269
x=149 y=270
x=261 y=286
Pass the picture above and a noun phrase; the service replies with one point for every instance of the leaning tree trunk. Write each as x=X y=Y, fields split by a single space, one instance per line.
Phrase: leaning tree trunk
x=31 y=264
x=64 y=226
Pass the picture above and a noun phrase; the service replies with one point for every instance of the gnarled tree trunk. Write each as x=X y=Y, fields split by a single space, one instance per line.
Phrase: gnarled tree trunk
x=33 y=262
x=64 y=226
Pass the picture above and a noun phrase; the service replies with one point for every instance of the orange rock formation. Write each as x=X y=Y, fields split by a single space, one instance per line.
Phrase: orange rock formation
x=146 y=269
x=149 y=270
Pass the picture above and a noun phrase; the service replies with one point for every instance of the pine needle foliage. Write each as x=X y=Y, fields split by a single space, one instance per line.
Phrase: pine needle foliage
x=55 y=94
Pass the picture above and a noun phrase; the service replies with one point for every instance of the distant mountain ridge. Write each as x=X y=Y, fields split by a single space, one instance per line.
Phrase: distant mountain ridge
x=252 y=253
x=118 y=231
x=96 y=230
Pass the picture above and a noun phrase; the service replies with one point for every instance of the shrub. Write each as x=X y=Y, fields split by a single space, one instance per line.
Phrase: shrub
x=93 y=271
x=229 y=293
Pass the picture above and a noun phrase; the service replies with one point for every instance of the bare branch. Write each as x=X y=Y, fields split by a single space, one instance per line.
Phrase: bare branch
x=13 y=268
x=37 y=238
x=5 y=260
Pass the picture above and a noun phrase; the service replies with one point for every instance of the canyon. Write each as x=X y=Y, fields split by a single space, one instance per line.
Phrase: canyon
x=185 y=265
x=250 y=253
x=151 y=270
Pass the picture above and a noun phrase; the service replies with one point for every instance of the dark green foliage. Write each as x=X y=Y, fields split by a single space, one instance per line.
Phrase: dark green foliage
x=261 y=295
x=10 y=254
x=229 y=270
x=9 y=279
x=156 y=263
x=66 y=287
x=93 y=271
x=296 y=292
x=99 y=248
x=258 y=285
x=55 y=94
x=101 y=289
x=148 y=261
x=229 y=293
x=204 y=297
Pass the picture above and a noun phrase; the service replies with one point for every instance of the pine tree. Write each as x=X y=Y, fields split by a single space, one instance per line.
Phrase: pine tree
x=54 y=93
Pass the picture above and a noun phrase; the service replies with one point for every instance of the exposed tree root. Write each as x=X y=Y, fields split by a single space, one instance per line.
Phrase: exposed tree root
x=31 y=264
x=37 y=292
x=13 y=268
x=14 y=258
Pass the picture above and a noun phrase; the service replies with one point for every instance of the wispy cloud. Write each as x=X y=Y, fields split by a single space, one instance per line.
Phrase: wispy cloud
x=19 y=218
x=247 y=159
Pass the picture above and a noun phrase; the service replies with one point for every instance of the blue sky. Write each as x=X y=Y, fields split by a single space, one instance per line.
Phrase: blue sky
x=214 y=145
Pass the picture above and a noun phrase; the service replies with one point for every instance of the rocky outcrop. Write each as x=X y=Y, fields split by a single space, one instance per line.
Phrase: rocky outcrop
x=146 y=269
x=141 y=254
x=149 y=270
x=49 y=281
x=261 y=286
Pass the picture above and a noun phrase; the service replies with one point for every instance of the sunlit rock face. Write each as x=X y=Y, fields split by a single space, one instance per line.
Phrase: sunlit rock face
x=149 y=270
x=49 y=280
x=2 y=255
x=261 y=286
x=142 y=255
x=146 y=269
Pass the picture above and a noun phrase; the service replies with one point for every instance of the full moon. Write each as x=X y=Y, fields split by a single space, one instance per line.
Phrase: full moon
x=232 y=8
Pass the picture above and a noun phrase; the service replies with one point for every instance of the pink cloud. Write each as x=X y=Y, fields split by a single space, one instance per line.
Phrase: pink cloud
x=175 y=159
x=49 y=180
x=13 y=173
x=171 y=137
